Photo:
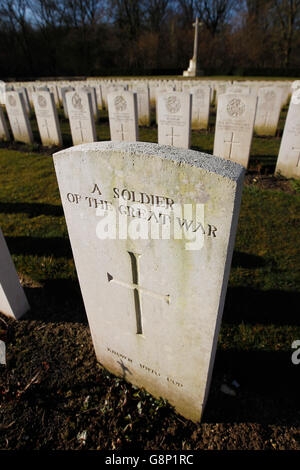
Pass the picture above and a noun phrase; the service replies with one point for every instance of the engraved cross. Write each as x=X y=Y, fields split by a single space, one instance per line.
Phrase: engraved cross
x=17 y=123
x=172 y=135
x=122 y=132
x=46 y=125
x=137 y=290
x=231 y=142
x=81 y=129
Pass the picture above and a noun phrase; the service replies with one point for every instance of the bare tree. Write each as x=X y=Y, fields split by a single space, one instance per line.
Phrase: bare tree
x=287 y=14
x=214 y=13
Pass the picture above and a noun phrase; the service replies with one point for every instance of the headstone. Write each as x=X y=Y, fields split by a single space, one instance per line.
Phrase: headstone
x=154 y=302
x=238 y=89
x=13 y=301
x=234 y=127
x=53 y=89
x=295 y=85
x=200 y=106
x=288 y=163
x=123 y=116
x=24 y=91
x=47 y=118
x=81 y=117
x=4 y=133
x=2 y=92
x=174 y=119
x=268 y=110
x=143 y=103
x=18 y=118
x=94 y=99
x=64 y=90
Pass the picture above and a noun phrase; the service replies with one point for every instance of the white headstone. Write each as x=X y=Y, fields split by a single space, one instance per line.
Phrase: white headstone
x=64 y=90
x=143 y=103
x=81 y=117
x=13 y=301
x=268 y=110
x=24 y=91
x=154 y=303
x=92 y=90
x=200 y=106
x=174 y=119
x=123 y=116
x=47 y=119
x=17 y=116
x=53 y=89
x=234 y=127
x=295 y=85
x=4 y=133
x=288 y=163
x=238 y=89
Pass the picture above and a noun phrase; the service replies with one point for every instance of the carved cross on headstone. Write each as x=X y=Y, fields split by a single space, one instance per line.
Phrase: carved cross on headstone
x=137 y=290
x=231 y=142
x=172 y=135
x=122 y=132
x=295 y=149
x=46 y=126
x=81 y=129
x=18 y=125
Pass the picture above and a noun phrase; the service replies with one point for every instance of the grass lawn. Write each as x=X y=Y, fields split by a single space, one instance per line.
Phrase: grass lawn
x=52 y=389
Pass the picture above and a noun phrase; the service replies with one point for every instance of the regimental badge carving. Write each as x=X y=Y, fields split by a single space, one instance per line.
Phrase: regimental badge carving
x=173 y=104
x=76 y=101
x=11 y=100
x=42 y=101
x=120 y=103
x=235 y=107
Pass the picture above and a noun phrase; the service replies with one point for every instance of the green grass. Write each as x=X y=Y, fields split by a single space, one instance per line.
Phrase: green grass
x=264 y=266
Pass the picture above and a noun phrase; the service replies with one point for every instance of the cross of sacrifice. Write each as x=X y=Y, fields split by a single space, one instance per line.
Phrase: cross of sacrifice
x=137 y=290
x=231 y=142
x=172 y=135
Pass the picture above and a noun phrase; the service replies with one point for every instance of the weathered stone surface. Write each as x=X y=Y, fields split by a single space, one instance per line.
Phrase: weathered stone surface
x=81 y=117
x=154 y=297
x=13 y=301
x=174 y=119
x=18 y=118
x=123 y=116
x=234 y=127
x=288 y=163
x=47 y=118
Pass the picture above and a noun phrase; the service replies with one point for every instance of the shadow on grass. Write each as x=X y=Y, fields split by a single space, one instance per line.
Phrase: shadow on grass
x=56 y=247
x=268 y=391
x=32 y=209
x=56 y=301
x=246 y=260
x=271 y=307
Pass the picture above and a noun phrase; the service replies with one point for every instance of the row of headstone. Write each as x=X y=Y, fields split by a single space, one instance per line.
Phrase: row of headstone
x=238 y=114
